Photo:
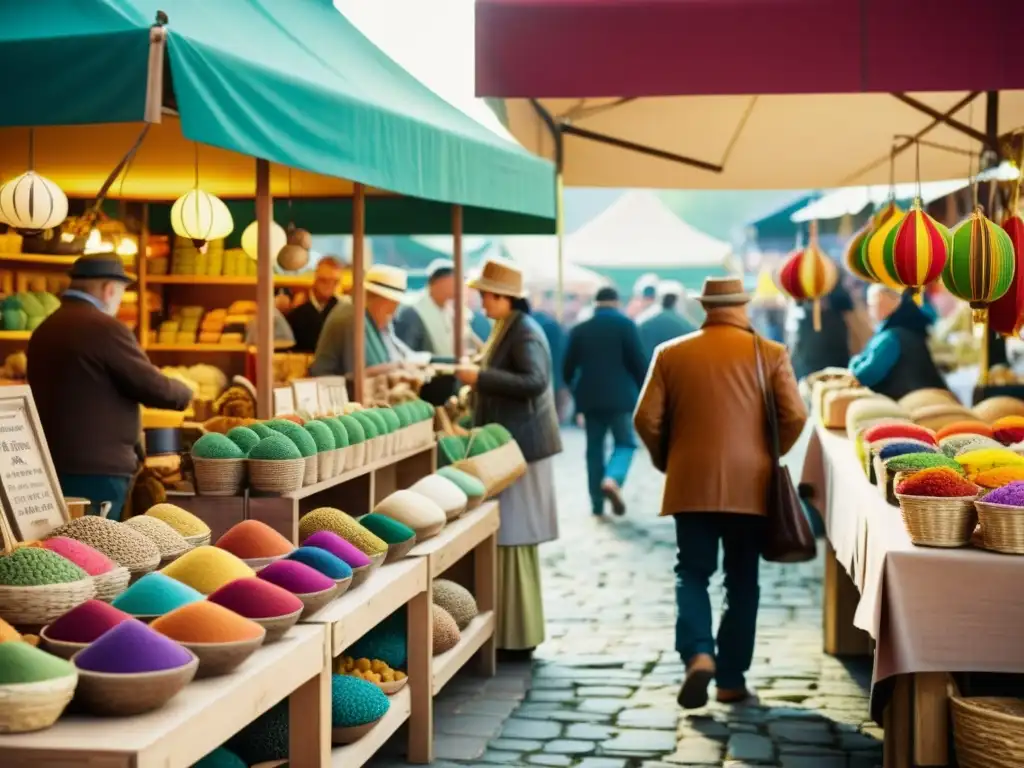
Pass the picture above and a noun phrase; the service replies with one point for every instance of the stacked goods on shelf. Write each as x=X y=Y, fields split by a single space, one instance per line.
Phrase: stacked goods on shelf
x=238 y=264
x=488 y=453
x=236 y=322
x=375 y=671
x=189 y=260
x=25 y=311
x=414 y=511
x=457 y=601
x=15 y=367
x=181 y=328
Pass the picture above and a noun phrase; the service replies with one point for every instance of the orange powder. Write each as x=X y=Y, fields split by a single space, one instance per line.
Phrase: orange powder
x=205 y=622
x=8 y=633
x=251 y=539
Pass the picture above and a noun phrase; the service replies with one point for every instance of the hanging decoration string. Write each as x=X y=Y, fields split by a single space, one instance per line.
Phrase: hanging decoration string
x=917 y=170
x=31 y=149
x=892 y=171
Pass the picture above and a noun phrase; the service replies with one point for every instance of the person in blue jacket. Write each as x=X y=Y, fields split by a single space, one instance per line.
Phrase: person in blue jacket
x=605 y=366
x=897 y=360
x=663 y=321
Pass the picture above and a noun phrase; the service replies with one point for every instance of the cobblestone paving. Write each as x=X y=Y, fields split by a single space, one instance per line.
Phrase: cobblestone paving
x=601 y=693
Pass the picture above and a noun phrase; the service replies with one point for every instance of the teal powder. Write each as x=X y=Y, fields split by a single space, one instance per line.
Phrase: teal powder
x=154 y=595
x=356 y=702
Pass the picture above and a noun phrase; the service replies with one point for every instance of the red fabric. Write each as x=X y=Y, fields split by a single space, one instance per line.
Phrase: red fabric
x=607 y=48
x=1006 y=313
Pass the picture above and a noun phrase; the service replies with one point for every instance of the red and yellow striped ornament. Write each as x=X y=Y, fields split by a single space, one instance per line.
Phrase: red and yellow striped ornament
x=856 y=255
x=809 y=274
x=873 y=248
x=980 y=266
x=916 y=249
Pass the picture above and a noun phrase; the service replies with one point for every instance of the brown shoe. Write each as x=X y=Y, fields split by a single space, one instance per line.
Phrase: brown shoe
x=613 y=493
x=700 y=671
x=735 y=696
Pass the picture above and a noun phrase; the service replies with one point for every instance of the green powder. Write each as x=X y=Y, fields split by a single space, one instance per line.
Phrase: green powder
x=34 y=566
x=911 y=462
x=391 y=531
x=23 y=663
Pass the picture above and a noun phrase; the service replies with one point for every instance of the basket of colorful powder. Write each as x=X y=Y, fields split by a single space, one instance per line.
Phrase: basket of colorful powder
x=194 y=530
x=256 y=544
x=309 y=585
x=171 y=544
x=272 y=607
x=357 y=560
x=154 y=595
x=109 y=578
x=329 y=565
x=207 y=569
x=356 y=707
x=220 y=638
x=35 y=688
x=80 y=626
x=132 y=669
x=1001 y=513
x=37 y=586
x=119 y=542
x=219 y=465
x=938 y=507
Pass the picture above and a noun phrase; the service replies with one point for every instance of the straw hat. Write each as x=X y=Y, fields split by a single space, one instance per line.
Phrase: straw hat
x=387 y=282
x=670 y=288
x=500 y=277
x=723 y=292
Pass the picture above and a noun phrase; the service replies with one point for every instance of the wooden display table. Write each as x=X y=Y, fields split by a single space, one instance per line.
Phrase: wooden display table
x=353 y=615
x=200 y=718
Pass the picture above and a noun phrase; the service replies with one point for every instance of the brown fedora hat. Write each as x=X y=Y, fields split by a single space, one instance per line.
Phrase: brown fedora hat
x=723 y=292
x=501 y=277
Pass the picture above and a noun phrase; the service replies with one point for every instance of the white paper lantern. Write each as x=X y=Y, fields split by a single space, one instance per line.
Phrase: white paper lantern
x=201 y=217
x=31 y=203
x=250 y=239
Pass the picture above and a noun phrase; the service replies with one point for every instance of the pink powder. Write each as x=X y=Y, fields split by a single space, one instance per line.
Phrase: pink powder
x=90 y=560
x=297 y=578
x=86 y=622
x=338 y=547
x=256 y=599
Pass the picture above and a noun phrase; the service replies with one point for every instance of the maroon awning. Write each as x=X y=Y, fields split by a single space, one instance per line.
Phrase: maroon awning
x=632 y=48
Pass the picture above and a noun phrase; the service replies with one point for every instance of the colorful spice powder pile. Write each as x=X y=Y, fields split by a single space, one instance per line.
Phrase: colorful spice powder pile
x=938 y=481
x=981 y=459
x=221 y=757
x=34 y=566
x=23 y=663
x=206 y=622
x=964 y=428
x=118 y=542
x=297 y=578
x=338 y=547
x=999 y=476
x=183 y=521
x=132 y=647
x=323 y=561
x=952 y=446
x=168 y=541
x=86 y=622
x=256 y=599
x=1010 y=495
x=900 y=448
x=392 y=531
x=891 y=431
x=154 y=595
x=90 y=560
x=915 y=462
x=251 y=539
x=8 y=633
x=207 y=569
x=1009 y=429
x=336 y=521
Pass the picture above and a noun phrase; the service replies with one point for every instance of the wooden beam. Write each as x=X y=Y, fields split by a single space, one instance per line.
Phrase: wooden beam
x=931 y=718
x=264 y=293
x=460 y=294
x=358 y=295
x=840 y=604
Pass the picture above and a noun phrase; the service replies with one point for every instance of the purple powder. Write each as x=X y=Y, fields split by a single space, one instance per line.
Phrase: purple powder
x=132 y=647
x=338 y=547
x=1011 y=494
x=297 y=578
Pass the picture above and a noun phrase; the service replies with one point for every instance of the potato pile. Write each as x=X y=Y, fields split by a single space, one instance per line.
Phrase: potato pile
x=370 y=670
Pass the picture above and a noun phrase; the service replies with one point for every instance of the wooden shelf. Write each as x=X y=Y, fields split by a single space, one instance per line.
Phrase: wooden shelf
x=296 y=281
x=15 y=335
x=38 y=259
x=458 y=538
x=445 y=665
x=384 y=461
x=202 y=717
x=359 y=753
x=197 y=348
x=361 y=609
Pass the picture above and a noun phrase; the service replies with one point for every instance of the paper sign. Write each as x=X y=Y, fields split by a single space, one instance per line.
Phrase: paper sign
x=307 y=396
x=284 y=401
x=333 y=392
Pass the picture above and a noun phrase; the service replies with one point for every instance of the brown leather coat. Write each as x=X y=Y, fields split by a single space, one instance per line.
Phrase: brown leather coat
x=702 y=417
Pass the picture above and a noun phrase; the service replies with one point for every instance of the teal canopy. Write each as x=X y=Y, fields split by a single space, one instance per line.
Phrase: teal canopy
x=290 y=81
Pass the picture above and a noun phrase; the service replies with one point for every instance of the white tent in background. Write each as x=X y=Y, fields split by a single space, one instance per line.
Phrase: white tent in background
x=537 y=255
x=638 y=231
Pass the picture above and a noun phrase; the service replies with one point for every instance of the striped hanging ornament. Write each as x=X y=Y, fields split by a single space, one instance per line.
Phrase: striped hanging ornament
x=981 y=262
x=1006 y=315
x=856 y=255
x=31 y=204
x=809 y=274
x=916 y=249
x=874 y=248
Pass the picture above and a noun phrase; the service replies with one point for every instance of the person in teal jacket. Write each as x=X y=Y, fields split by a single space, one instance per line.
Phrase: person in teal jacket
x=897 y=361
x=664 y=322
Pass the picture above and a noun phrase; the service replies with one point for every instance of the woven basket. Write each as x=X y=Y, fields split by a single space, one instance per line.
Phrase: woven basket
x=340 y=457
x=138 y=570
x=311 y=471
x=38 y=606
x=423 y=432
x=166 y=560
x=278 y=626
x=314 y=601
x=376 y=447
x=325 y=465
x=276 y=476
x=938 y=521
x=497 y=469
x=122 y=695
x=988 y=731
x=26 y=707
x=398 y=551
x=220 y=658
x=1002 y=526
x=356 y=456
x=199 y=540
x=111 y=584
x=353 y=734
x=61 y=648
x=219 y=477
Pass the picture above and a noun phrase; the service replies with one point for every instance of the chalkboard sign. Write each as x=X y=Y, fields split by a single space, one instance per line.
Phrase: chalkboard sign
x=33 y=505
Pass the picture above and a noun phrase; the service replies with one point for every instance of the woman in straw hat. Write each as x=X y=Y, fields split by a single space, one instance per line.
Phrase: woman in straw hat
x=512 y=387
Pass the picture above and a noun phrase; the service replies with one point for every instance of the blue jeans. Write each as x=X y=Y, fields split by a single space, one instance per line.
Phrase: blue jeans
x=599 y=464
x=697 y=536
x=97 y=489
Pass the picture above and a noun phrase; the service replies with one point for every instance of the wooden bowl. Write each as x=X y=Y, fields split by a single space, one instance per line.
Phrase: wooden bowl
x=199 y=539
x=278 y=626
x=398 y=551
x=111 y=584
x=353 y=734
x=343 y=586
x=259 y=563
x=104 y=693
x=376 y=561
x=26 y=707
x=314 y=601
x=61 y=648
x=360 y=574
x=394 y=687
x=221 y=658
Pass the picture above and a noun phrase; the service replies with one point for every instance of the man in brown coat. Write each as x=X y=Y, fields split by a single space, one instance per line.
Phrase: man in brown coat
x=702 y=417
x=88 y=378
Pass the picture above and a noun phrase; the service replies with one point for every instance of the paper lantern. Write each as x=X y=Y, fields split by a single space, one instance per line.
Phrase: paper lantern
x=31 y=203
x=980 y=266
x=1006 y=315
x=201 y=217
x=856 y=254
x=916 y=249
x=874 y=248
x=250 y=239
x=809 y=274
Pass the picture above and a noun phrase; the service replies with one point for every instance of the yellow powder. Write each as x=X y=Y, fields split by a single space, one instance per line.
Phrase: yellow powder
x=182 y=521
x=8 y=633
x=207 y=569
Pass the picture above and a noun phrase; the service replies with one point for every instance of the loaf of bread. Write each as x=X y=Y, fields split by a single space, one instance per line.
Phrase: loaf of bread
x=921 y=398
x=836 y=401
x=821 y=388
x=992 y=408
x=870 y=408
x=935 y=417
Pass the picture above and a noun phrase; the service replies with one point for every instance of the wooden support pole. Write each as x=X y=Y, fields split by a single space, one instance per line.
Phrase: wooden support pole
x=460 y=294
x=840 y=600
x=560 y=234
x=142 y=270
x=264 y=293
x=931 y=719
x=358 y=294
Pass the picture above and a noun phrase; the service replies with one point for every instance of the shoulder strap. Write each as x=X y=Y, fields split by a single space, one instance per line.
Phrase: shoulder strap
x=768 y=395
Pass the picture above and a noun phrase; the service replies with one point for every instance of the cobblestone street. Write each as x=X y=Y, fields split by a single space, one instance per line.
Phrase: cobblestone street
x=601 y=693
